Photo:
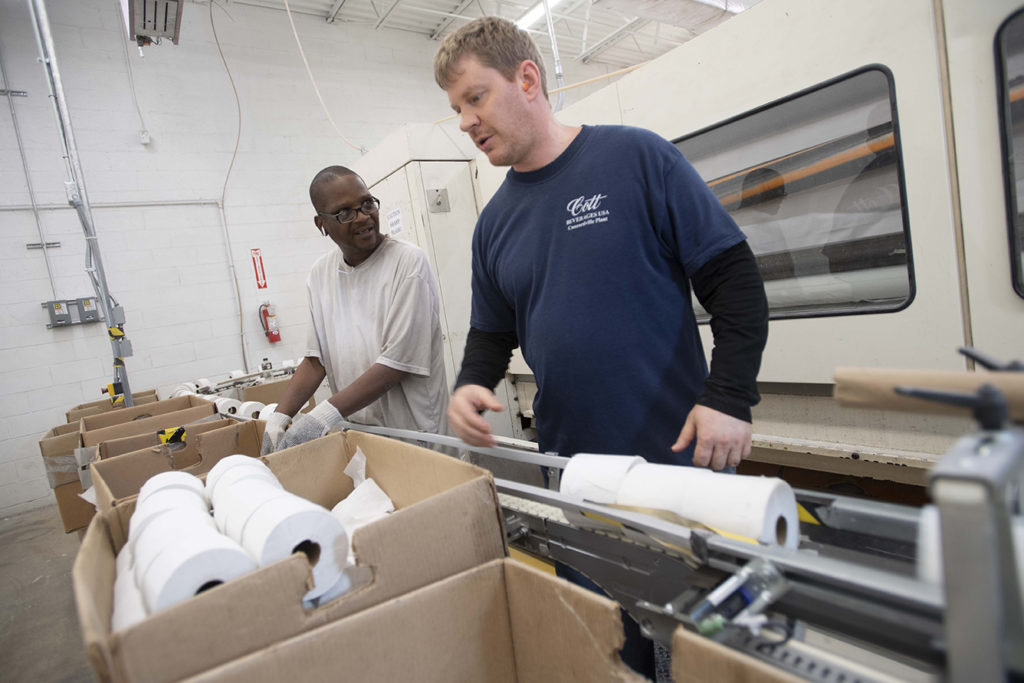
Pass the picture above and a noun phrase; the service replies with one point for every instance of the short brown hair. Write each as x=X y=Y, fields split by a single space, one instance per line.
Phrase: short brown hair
x=497 y=43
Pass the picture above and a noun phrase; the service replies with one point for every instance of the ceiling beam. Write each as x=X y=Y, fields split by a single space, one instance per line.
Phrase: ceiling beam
x=332 y=13
x=436 y=33
x=624 y=31
x=387 y=14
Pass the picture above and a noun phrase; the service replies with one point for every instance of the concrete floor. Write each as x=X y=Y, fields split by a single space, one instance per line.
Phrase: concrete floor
x=39 y=635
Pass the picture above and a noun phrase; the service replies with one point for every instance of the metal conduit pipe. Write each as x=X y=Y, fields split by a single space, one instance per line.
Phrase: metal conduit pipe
x=559 y=78
x=28 y=178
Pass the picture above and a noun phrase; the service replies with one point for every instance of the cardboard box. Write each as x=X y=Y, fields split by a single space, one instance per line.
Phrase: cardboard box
x=58 y=450
x=75 y=513
x=94 y=437
x=702 y=660
x=139 y=412
x=104 y=405
x=118 y=480
x=128 y=444
x=447 y=520
x=271 y=392
x=499 y=622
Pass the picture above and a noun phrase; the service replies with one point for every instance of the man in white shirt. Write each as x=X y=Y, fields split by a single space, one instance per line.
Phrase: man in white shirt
x=375 y=329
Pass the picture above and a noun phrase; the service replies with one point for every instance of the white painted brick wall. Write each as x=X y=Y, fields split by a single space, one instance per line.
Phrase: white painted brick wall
x=168 y=265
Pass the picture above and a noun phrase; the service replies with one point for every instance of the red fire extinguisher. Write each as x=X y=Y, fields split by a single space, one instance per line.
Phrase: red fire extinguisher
x=269 y=322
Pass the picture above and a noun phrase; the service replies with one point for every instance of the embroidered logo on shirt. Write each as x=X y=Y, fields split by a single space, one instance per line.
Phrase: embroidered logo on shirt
x=584 y=211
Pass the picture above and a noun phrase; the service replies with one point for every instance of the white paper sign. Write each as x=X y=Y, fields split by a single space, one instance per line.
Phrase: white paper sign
x=395 y=221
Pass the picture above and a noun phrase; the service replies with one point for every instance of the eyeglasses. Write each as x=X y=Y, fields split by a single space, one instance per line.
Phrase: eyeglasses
x=368 y=207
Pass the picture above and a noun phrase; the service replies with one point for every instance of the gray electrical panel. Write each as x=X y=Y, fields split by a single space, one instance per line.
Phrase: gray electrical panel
x=66 y=312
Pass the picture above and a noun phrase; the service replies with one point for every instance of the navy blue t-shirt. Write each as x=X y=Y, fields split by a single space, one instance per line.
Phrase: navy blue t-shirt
x=587 y=259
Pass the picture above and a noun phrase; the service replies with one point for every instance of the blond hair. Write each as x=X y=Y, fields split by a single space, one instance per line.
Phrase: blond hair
x=497 y=43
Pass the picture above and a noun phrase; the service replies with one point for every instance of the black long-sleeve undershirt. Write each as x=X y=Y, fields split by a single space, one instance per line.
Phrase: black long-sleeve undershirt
x=730 y=289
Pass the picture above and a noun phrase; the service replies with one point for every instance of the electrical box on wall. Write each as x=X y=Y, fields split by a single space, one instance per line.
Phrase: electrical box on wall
x=149 y=21
x=66 y=312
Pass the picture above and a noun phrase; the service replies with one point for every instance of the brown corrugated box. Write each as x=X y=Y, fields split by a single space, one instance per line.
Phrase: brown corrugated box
x=143 y=425
x=75 y=513
x=447 y=520
x=139 y=412
x=119 y=479
x=502 y=621
x=58 y=450
x=104 y=405
x=113 y=447
x=697 y=659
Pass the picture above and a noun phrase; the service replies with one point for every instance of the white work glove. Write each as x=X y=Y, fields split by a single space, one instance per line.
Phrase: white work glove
x=312 y=425
x=272 y=433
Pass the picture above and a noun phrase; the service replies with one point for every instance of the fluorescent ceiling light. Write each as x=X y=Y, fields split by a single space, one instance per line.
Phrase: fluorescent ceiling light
x=535 y=13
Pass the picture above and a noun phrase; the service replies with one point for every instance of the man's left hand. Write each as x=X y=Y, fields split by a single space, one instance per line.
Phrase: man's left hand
x=722 y=440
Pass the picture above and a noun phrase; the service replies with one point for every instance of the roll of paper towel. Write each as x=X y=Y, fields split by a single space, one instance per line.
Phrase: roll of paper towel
x=129 y=608
x=191 y=564
x=160 y=502
x=170 y=480
x=929 y=546
x=759 y=508
x=250 y=409
x=292 y=524
x=227 y=406
x=597 y=478
x=237 y=502
x=267 y=410
x=203 y=383
x=227 y=464
x=164 y=529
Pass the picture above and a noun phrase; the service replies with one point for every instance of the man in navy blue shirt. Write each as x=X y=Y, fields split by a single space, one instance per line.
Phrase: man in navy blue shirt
x=585 y=257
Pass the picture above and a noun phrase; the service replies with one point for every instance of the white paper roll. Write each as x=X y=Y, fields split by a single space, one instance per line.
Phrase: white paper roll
x=267 y=410
x=190 y=564
x=595 y=477
x=250 y=409
x=166 y=527
x=238 y=474
x=241 y=499
x=760 y=508
x=292 y=524
x=229 y=463
x=203 y=383
x=235 y=374
x=929 y=546
x=160 y=502
x=227 y=406
x=288 y=363
x=170 y=480
x=341 y=586
x=182 y=391
x=129 y=608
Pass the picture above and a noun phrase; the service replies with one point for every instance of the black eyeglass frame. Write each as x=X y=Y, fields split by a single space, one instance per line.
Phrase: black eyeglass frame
x=362 y=208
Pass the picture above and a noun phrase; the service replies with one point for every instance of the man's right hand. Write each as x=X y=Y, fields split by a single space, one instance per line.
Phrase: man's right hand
x=272 y=433
x=464 y=414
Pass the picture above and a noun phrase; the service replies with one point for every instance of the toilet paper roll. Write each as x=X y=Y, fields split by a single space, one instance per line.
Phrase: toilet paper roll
x=238 y=474
x=191 y=564
x=929 y=546
x=292 y=524
x=288 y=364
x=239 y=501
x=341 y=586
x=129 y=608
x=250 y=409
x=235 y=374
x=229 y=463
x=267 y=410
x=162 y=530
x=166 y=500
x=203 y=383
x=227 y=406
x=182 y=391
x=597 y=478
x=170 y=480
x=759 y=508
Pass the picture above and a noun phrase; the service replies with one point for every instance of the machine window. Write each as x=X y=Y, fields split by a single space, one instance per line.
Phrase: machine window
x=1010 y=66
x=816 y=183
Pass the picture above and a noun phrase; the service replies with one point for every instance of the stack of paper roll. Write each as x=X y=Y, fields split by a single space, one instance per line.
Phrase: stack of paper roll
x=251 y=507
x=174 y=550
x=762 y=509
x=184 y=389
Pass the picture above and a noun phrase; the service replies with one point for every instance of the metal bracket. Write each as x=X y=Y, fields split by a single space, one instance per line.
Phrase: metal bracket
x=438 y=201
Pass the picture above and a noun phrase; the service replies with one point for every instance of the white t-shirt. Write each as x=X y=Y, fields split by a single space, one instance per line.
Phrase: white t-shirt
x=385 y=310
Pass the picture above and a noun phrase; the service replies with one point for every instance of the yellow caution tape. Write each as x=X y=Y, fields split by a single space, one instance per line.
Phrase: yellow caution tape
x=172 y=435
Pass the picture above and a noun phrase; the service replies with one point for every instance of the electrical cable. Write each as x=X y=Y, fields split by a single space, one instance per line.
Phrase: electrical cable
x=302 y=53
x=223 y=194
x=131 y=85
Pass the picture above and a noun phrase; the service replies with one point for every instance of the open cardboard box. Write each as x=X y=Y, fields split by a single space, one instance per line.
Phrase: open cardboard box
x=697 y=659
x=58 y=450
x=128 y=444
x=104 y=405
x=150 y=425
x=447 y=520
x=139 y=412
x=119 y=479
x=503 y=621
